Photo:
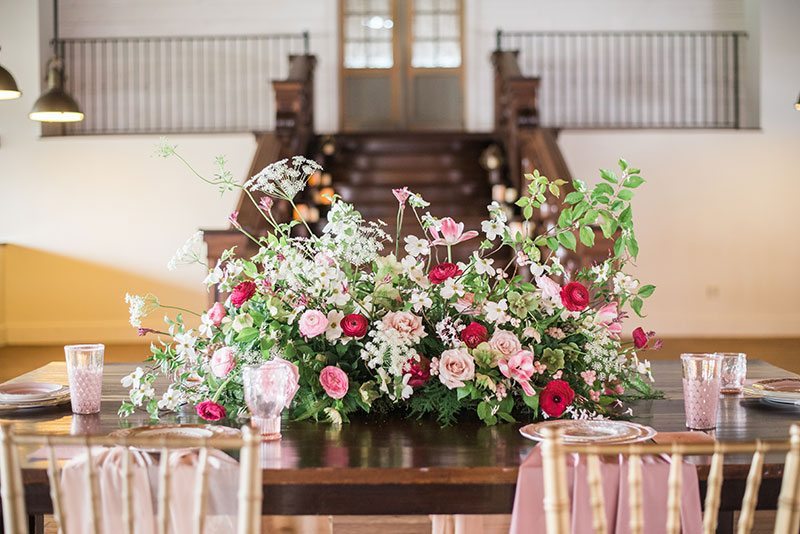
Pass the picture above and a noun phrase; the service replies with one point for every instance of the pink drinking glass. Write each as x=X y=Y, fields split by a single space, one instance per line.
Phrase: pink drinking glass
x=268 y=389
x=733 y=373
x=701 y=387
x=85 y=374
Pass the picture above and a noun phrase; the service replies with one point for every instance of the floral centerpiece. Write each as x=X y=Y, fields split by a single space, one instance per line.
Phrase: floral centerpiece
x=379 y=324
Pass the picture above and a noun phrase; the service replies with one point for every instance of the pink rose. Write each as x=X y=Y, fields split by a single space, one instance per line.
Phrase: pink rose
x=313 y=323
x=406 y=323
x=520 y=368
x=505 y=342
x=217 y=313
x=222 y=361
x=334 y=381
x=210 y=410
x=466 y=304
x=456 y=366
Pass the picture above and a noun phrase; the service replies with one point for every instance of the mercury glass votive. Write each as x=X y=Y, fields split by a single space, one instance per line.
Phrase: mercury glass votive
x=701 y=386
x=733 y=372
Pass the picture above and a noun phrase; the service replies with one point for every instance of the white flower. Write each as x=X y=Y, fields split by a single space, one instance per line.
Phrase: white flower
x=416 y=246
x=188 y=253
x=339 y=297
x=214 y=276
x=420 y=300
x=334 y=330
x=496 y=312
x=600 y=272
x=134 y=379
x=140 y=394
x=417 y=201
x=624 y=283
x=282 y=180
x=136 y=308
x=537 y=270
x=483 y=265
x=242 y=321
x=451 y=287
x=493 y=229
x=170 y=400
x=206 y=328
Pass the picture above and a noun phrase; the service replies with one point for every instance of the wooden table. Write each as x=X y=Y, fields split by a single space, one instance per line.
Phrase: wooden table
x=413 y=467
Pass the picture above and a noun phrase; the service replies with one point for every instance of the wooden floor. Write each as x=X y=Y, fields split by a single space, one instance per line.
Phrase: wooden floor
x=783 y=352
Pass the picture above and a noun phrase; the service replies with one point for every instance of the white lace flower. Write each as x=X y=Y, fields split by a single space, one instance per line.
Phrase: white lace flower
x=136 y=308
x=496 y=312
x=188 y=253
x=493 y=229
x=282 y=179
x=420 y=300
x=214 y=276
x=334 y=330
x=450 y=288
x=416 y=246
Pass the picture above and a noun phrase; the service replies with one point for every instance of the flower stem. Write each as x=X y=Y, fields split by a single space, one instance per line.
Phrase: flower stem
x=179 y=309
x=221 y=388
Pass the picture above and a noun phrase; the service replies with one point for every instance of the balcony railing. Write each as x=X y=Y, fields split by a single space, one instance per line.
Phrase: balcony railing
x=177 y=84
x=633 y=79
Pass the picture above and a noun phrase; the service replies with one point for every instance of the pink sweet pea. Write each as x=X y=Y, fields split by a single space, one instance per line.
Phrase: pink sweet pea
x=520 y=368
x=452 y=233
x=608 y=316
x=401 y=195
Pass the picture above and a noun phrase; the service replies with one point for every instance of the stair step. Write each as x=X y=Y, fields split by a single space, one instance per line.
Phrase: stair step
x=386 y=210
x=400 y=178
x=435 y=194
x=415 y=143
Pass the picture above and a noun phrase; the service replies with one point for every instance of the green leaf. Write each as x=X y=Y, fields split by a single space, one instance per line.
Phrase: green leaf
x=250 y=269
x=506 y=417
x=523 y=201
x=568 y=240
x=552 y=243
x=646 y=291
x=247 y=334
x=622 y=164
x=608 y=176
x=633 y=181
x=579 y=185
x=527 y=212
x=554 y=190
x=636 y=305
x=590 y=217
x=625 y=194
x=464 y=392
x=484 y=410
x=633 y=246
x=573 y=197
x=565 y=218
x=619 y=245
x=531 y=401
x=587 y=236
x=626 y=216
x=602 y=189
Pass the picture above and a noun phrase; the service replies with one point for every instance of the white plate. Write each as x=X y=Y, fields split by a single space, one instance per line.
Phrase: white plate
x=183 y=431
x=590 y=431
x=25 y=392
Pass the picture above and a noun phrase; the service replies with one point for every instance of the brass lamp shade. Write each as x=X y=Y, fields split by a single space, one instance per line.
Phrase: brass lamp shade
x=797 y=104
x=8 y=86
x=55 y=104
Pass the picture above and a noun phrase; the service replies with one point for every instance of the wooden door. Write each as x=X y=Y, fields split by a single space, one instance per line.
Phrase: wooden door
x=401 y=65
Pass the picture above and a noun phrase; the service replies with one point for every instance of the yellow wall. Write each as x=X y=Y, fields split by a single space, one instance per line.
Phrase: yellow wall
x=49 y=299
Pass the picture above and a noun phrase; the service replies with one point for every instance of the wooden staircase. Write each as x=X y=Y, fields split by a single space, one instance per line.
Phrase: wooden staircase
x=443 y=167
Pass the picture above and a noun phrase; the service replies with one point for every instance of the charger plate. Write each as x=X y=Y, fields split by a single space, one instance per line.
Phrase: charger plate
x=590 y=431
x=30 y=401
x=23 y=392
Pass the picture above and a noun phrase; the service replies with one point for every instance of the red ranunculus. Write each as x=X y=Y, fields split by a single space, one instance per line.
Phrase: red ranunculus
x=575 y=296
x=640 y=338
x=242 y=293
x=210 y=410
x=420 y=371
x=474 y=334
x=354 y=325
x=443 y=271
x=555 y=397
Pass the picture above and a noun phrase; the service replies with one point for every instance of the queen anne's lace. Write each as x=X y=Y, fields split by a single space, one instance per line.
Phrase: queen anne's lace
x=283 y=179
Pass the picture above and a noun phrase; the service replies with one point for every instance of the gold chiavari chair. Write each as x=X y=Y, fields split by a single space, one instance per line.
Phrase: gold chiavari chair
x=249 y=496
x=557 y=501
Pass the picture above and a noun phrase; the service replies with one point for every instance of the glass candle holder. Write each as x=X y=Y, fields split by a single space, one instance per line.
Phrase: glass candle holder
x=733 y=373
x=85 y=374
x=268 y=389
x=701 y=386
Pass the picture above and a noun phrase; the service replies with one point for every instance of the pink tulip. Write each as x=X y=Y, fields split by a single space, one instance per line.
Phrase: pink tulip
x=401 y=195
x=452 y=233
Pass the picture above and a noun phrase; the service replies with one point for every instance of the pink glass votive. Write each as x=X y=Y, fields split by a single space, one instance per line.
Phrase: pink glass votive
x=701 y=387
x=733 y=372
x=85 y=374
x=268 y=389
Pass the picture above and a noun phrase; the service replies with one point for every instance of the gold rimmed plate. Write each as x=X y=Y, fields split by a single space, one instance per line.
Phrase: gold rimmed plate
x=182 y=431
x=591 y=431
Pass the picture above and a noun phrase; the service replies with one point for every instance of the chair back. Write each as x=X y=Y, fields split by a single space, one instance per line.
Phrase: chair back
x=557 y=500
x=12 y=491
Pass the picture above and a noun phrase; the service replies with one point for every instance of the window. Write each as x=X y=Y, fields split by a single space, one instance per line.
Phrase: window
x=368 y=28
x=437 y=34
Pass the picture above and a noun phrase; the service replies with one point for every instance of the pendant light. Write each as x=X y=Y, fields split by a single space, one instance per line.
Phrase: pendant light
x=8 y=87
x=55 y=104
x=797 y=104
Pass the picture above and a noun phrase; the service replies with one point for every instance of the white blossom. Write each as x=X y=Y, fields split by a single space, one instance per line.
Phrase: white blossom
x=170 y=400
x=483 y=265
x=188 y=253
x=282 y=179
x=451 y=287
x=420 y=300
x=334 y=330
x=416 y=246
x=493 y=229
x=134 y=379
x=497 y=312
x=624 y=284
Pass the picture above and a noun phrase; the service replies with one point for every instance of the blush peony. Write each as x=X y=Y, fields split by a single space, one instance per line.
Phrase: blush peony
x=334 y=381
x=405 y=323
x=242 y=293
x=210 y=411
x=455 y=367
x=575 y=296
x=555 y=398
x=354 y=325
x=505 y=342
x=313 y=323
x=217 y=313
x=474 y=334
x=443 y=271
x=222 y=362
